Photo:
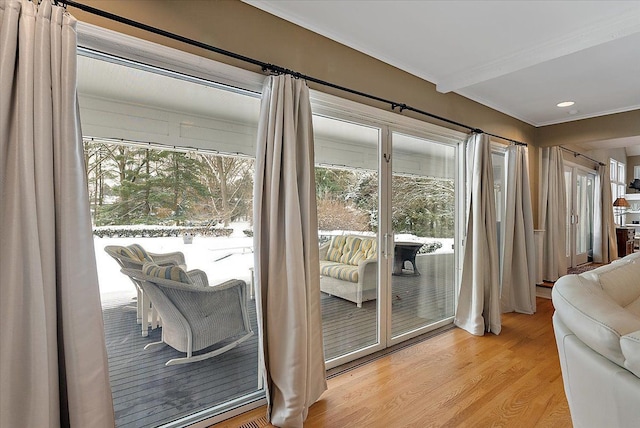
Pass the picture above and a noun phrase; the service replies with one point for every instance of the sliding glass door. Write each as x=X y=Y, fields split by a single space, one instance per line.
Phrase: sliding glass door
x=387 y=220
x=347 y=195
x=423 y=208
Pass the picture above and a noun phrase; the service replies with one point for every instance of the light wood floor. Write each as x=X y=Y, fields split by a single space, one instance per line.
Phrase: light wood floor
x=452 y=380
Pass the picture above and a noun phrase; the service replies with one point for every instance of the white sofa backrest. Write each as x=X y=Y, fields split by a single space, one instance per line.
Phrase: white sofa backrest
x=621 y=280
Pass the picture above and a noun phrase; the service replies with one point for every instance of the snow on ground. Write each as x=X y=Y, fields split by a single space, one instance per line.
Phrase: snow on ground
x=222 y=258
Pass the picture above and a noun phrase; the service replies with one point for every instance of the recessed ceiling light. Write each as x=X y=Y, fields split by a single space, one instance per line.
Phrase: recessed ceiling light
x=565 y=104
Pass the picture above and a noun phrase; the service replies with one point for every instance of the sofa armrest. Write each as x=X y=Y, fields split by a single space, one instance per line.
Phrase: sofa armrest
x=630 y=344
x=594 y=317
x=367 y=271
x=322 y=251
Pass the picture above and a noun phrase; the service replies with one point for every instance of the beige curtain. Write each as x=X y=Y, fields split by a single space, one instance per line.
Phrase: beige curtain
x=605 y=248
x=53 y=361
x=518 y=292
x=286 y=252
x=553 y=214
x=479 y=299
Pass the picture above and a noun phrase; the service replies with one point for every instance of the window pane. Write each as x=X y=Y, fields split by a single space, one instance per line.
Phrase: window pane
x=195 y=203
x=347 y=196
x=423 y=218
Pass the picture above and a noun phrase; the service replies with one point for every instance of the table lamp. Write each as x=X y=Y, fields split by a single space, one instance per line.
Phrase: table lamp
x=622 y=205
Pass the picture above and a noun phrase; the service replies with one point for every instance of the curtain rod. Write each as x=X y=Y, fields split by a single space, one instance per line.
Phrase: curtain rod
x=266 y=67
x=576 y=154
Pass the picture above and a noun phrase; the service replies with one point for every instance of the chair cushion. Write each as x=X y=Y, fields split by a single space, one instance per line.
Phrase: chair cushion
x=134 y=252
x=173 y=273
x=140 y=252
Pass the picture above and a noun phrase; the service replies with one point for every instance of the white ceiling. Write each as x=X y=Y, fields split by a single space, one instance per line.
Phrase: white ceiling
x=518 y=57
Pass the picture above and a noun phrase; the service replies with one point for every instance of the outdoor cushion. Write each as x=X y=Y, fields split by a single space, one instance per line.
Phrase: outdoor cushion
x=339 y=271
x=366 y=251
x=140 y=252
x=335 y=248
x=350 y=250
x=134 y=252
x=174 y=273
x=371 y=246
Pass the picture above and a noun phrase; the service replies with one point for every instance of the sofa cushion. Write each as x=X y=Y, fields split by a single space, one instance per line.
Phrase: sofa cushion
x=367 y=251
x=334 y=253
x=619 y=280
x=339 y=271
x=350 y=250
x=370 y=247
x=173 y=273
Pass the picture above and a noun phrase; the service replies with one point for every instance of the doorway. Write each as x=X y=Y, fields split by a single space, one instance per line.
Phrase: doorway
x=580 y=188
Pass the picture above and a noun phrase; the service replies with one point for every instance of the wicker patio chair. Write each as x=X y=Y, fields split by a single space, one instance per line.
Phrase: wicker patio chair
x=133 y=257
x=195 y=316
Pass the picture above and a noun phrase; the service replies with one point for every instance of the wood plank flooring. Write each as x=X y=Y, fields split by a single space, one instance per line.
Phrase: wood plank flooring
x=452 y=380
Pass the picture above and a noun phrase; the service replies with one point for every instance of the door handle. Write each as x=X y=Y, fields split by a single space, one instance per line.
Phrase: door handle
x=386 y=245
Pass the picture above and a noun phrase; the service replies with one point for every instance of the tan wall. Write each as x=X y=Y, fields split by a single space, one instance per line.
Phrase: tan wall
x=243 y=29
x=619 y=125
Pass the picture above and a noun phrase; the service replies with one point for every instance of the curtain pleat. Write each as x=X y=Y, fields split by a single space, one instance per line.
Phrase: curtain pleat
x=553 y=214
x=53 y=365
x=518 y=292
x=479 y=299
x=605 y=248
x=286 y=253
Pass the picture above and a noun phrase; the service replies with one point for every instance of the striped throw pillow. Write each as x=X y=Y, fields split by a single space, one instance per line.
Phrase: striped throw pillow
x=174 y=273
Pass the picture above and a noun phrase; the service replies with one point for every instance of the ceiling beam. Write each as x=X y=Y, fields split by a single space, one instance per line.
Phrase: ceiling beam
x=604 y=31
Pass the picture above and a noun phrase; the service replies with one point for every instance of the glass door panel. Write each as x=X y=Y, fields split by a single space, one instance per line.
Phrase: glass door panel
x=423 y=221
x=347 y=197
x=584 y=220
x=150 y=186
x=580 y=187
x=568 y=183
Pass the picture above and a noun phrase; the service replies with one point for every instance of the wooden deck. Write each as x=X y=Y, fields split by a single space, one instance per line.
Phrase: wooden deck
x=146 y=393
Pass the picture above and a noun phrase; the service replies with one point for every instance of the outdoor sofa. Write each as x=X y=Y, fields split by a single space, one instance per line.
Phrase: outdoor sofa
x=348 y=268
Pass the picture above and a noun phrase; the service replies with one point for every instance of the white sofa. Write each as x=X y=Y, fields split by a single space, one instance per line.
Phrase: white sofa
x=597 y=328
x=349 y=267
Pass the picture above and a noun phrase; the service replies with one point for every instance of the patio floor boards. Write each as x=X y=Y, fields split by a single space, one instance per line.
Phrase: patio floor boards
x=146 y=393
